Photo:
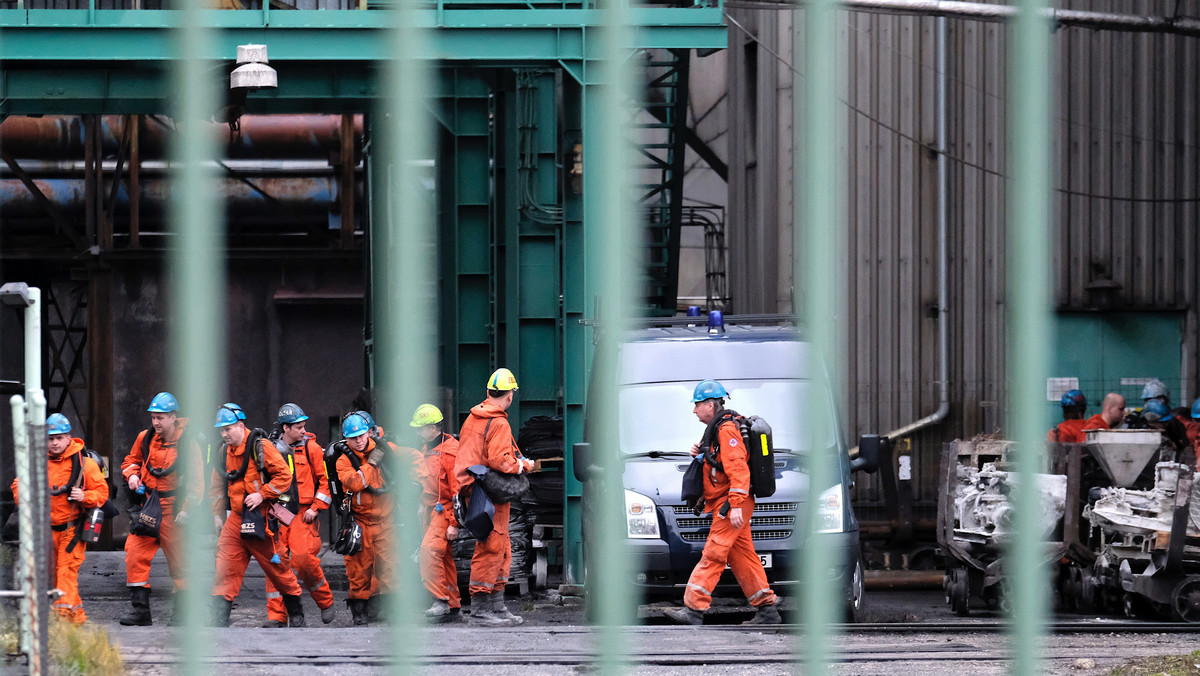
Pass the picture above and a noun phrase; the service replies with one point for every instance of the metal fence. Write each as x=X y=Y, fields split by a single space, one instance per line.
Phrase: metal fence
x=404 y=347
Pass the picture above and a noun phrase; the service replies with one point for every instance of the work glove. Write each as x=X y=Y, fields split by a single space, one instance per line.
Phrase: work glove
x=375 y=457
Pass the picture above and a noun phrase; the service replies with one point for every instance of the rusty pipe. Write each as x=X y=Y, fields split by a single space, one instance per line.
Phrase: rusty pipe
x=261 y=136
x=260 y=197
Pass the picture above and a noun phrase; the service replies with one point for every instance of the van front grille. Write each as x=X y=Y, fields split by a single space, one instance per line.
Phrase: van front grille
x=701 y=536
x=759 y=507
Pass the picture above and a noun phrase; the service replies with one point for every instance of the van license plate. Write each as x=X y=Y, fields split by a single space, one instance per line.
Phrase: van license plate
x=765 y=559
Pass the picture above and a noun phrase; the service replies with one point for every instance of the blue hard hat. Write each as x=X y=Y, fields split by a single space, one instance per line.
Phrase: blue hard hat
x=163 y=402
x=1156 y=411
x=708 y=389
x=1073 y=398
x=228 y=415
x=1154 y=389
x=57 y=423
x=1196 y=409
x=355 y=426
x=290 y=414
x=366 y=416
x=241 y=415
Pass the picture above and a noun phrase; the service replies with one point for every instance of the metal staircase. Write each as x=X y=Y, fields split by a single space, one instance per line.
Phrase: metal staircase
x=661 y=149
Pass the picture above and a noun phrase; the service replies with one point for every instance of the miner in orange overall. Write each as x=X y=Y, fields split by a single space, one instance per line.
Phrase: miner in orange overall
x=360 y=469
x=77 y=486
x=438 y=486
x=727 y=492
x=255 y=476
x=162 y=463
x=1070 y=430
x=1112 y=413
x=486 y=439
x=299 y=543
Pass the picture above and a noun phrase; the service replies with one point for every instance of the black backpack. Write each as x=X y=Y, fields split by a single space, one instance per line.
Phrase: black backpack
x=760 y=451
x=760 y=455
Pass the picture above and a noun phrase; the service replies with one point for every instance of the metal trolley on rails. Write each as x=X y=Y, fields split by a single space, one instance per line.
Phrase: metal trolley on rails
x=1121 y=534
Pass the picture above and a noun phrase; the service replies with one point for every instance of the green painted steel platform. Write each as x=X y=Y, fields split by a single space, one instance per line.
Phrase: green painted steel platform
x=514 y=96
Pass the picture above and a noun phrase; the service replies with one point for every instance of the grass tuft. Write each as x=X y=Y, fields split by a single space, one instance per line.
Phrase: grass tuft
x=83 y=650
x=1169 y=665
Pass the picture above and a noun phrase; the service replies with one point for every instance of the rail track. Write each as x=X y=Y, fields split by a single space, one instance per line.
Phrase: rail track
x=921 y=646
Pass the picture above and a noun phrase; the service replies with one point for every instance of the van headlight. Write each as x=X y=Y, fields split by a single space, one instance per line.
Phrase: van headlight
x=641 y=518
x=830 y=515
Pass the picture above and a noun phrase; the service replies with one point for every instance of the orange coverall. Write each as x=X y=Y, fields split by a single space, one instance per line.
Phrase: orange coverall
x=373 y=568
x=299 y=543
x=1069 y=432
x=233 y=551
x=140 y=549
x=1096 y=422
x=726 y=544
x=64 y=516
x=492 y=560
x=438 y=488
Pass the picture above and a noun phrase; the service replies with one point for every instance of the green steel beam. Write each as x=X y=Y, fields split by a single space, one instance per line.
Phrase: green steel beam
x=509 y=36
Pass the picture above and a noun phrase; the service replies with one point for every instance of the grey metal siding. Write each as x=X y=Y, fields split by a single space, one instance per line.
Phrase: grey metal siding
x=1126 y=203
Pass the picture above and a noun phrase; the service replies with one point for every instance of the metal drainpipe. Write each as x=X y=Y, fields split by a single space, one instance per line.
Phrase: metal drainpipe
x=943 y=187
x=29 y=414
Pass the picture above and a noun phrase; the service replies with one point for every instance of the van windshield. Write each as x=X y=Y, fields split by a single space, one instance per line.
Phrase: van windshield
x=658 y=416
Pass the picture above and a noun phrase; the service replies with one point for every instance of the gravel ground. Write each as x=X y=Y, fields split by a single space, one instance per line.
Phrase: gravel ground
x=556 y=639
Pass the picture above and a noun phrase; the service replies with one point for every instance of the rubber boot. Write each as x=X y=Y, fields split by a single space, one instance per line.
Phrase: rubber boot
x=482 y=613
x=295 y=611
x=358 y=610
x=327 y=614
x=766 y=615
x=140 y=617
x=502 y=610
x=439 y=610
x=377 y=607
x=220 y=611
x=685 y=615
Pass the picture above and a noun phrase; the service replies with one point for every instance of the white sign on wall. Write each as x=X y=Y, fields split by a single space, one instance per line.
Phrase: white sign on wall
x=1057 y=387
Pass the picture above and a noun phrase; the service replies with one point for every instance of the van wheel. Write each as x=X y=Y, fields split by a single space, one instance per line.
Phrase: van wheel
x=856 y=600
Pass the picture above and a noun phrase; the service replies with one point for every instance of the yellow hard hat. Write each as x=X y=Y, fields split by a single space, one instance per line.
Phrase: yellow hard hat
x=502 y=380
x=426 y=414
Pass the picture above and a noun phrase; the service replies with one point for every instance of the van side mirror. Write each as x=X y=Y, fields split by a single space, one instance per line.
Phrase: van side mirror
x=581 y=462
x=870 y=448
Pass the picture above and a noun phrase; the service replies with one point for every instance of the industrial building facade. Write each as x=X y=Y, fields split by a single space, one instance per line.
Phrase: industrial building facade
x=509 y=215
x=1125 y=211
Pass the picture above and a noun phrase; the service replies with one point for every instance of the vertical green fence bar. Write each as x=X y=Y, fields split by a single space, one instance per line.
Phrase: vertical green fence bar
x=196 y=270
x=609 y=218
x=818 y=253
x=405 y=291
x=1028 y=318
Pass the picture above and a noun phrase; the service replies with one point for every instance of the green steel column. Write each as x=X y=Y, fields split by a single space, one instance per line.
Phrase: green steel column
x=196 y=278
x=1028 y=316
x=577 y=349
x=527 y=231
x=818 y=259
x=466 y=247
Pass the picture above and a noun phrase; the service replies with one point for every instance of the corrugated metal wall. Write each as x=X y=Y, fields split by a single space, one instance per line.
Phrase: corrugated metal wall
x=1126 y=147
